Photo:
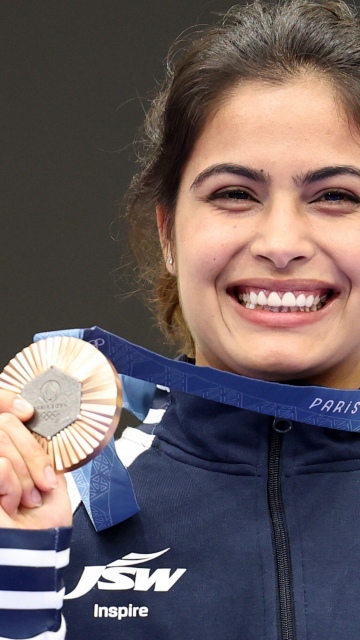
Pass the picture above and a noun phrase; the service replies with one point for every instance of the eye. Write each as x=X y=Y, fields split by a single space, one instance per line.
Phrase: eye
x=337 y=196
x=230 y=194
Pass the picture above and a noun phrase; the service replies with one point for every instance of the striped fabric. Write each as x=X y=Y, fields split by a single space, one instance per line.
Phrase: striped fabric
x=31 y=588
x=31 y=562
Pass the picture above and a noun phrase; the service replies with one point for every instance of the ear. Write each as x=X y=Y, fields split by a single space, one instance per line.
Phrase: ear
x=161 y=214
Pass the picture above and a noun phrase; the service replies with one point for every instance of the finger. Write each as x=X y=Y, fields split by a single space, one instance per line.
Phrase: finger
x=10 y=488
x=55 y=511
x=30 y=495
x=36 y=460
x=57 y=505
x=13 y=403
x=23 y=409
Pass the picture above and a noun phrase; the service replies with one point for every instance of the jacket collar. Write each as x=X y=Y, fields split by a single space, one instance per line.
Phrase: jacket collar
x=223 y=438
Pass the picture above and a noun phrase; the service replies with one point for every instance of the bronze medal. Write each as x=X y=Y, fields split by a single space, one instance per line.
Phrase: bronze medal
x=76 y=393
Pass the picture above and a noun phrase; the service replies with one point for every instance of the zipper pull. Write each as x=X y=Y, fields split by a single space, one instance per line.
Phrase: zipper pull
x=282 y=425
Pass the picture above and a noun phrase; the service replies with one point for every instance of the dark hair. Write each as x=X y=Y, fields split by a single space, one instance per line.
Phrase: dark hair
x=270 y=42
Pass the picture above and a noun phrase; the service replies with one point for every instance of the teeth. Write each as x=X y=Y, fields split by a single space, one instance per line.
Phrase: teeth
x=289 y=299
x=274 y=299
x=288 y=303
x=301 y=300
x=262 y=299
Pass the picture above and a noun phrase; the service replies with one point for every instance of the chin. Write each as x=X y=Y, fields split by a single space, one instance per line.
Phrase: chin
x=276 y=369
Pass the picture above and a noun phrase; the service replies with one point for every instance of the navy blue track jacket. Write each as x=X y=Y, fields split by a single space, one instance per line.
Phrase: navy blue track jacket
x=249 y=529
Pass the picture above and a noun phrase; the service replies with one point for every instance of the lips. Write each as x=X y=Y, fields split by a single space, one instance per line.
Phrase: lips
x=283 y=301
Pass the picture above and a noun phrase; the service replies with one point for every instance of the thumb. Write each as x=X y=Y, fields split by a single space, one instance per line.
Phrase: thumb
x=15 y=404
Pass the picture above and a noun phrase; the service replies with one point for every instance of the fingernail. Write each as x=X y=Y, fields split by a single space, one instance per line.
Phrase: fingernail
x=36 y=497
x=22 y=405
x=50 y=476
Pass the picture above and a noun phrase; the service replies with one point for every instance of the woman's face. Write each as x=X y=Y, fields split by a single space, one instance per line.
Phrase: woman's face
x=267 y=237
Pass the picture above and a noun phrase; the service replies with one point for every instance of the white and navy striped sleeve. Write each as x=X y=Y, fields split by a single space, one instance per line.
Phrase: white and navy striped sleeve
x=31 y=586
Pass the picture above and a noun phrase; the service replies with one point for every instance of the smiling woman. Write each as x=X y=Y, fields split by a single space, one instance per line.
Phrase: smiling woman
x=262 y=46
x=281 y=222
x=246 y=221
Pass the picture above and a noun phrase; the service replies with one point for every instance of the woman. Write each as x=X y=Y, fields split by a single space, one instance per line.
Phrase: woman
x=248 y=524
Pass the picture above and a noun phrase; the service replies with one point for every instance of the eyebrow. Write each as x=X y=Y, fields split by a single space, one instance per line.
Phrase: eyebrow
x=264 y=178
x=234 y=169
x=326 y=172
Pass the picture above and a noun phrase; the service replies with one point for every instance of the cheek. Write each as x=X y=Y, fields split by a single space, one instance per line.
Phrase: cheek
x=204 y=249
x=345 y=253
x=201 y=262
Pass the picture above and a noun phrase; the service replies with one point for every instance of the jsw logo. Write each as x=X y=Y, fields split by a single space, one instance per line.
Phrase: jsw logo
x=121 y=575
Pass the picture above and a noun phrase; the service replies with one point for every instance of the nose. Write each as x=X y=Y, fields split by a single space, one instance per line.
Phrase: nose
x=283 y=235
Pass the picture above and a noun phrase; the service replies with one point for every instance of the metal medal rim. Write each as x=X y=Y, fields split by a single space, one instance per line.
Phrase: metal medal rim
x=97 y=418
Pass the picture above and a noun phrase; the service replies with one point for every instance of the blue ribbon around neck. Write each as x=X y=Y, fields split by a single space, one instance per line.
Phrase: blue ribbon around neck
x=319 y=406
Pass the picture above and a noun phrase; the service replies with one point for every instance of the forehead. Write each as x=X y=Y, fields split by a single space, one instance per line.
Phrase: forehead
x=299 y=122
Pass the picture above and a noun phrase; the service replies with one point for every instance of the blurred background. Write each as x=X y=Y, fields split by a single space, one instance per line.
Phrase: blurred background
x=76 y=76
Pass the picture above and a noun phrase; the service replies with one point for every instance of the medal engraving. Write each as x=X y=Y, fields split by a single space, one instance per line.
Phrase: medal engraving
x=56 y=398
x=76 y=393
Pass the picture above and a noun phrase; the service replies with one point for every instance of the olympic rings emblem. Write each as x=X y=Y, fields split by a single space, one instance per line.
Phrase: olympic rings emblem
x=97 y=342
x=49 y=415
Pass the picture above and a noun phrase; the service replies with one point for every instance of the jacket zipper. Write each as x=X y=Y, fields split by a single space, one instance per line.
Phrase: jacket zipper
x=281 y=540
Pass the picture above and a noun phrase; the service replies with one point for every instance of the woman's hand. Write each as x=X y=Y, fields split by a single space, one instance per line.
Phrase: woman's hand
x=32 y=496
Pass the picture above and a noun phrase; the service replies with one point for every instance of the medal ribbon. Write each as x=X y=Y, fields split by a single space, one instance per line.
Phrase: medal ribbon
x=105 y=476
x=321 y=406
